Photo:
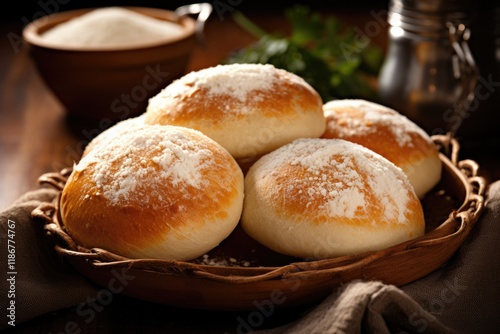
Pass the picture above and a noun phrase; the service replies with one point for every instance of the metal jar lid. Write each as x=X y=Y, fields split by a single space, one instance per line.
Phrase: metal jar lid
x=432 y=16
x=438 y=6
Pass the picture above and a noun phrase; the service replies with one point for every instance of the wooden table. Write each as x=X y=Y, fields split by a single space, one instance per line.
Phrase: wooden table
x=35 y=138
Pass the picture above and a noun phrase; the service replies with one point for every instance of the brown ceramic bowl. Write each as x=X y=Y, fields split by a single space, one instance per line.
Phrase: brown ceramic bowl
x=112 y=83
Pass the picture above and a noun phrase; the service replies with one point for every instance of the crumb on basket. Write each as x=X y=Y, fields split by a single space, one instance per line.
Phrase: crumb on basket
x=222 y=261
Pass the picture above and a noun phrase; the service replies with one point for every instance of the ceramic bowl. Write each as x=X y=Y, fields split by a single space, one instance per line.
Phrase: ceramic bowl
x=112 y=83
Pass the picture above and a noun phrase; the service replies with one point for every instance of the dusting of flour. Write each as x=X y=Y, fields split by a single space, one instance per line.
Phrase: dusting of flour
x=400 y=126
x=351 y=166
x=240 y=81
x=112 y=27
x=152 y=155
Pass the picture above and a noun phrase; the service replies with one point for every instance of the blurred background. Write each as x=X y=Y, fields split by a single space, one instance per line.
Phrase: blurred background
x=29 y=9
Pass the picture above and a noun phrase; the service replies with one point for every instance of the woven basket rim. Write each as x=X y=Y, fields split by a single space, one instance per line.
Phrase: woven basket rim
x=458 y=225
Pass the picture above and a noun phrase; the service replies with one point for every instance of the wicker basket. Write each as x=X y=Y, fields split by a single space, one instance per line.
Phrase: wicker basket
x=451 y=211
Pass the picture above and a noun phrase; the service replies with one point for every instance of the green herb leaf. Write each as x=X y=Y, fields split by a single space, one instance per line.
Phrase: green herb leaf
x=326 y=54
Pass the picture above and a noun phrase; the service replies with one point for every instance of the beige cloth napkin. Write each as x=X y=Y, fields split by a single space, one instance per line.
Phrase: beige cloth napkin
x=366 y=307
x=41 y=282
x=461 y=297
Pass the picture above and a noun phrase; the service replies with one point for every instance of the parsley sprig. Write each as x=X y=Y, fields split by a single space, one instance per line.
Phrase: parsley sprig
x=328 y=55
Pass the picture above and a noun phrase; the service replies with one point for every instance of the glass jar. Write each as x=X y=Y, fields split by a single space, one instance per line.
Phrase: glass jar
x=441 y=69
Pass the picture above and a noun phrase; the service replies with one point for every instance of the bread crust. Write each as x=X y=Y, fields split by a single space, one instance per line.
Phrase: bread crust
x=389 y=134
x=320 y=198
x=257 y=109
x=154 y=192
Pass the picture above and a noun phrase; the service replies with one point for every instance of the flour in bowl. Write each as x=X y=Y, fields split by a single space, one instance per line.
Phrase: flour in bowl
x=112 y=27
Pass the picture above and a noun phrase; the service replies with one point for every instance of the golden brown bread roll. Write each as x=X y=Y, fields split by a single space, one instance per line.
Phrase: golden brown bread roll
x=114 y=131
x=321 y=198
x=389 y=134
x=154 y=191
x=250 y=109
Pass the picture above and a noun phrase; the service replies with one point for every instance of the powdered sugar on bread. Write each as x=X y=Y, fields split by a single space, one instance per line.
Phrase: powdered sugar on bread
x=174 y=158
x=155 y=191
x=388 y=133
x=245 y=83
x=358 y=118
x=319 y=198
x=355 y=170
x=239 y=83
x=250 y=109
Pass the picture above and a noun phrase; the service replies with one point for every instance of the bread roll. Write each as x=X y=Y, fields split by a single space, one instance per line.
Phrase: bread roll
x=114 y=131
x=322 y=198
x=388 y=133
x=154 y=191
x=250 y=109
